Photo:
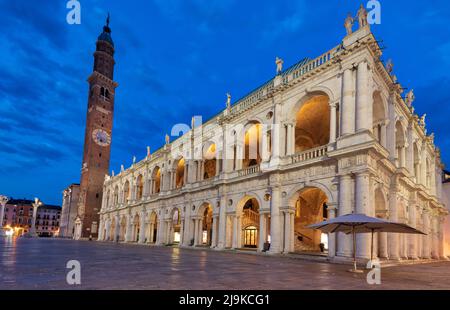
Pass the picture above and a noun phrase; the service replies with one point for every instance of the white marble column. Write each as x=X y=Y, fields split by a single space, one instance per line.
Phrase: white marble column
x=412 y=238
x=142 y=228
x=348 y=103
x=222 y=223
x=262 y=231
x=290 y=139
x=234 y=244
x=393 y=239
x=425 y=238
x=390 y=141
x=331 y=236
x=195 y=232
x=333 y=122
x=362 y=203
x=116 y=229
x=410 y=150
x=363 y=104
x=275 y=221
x=128 y=229
x=215 y=226
x=345 y=207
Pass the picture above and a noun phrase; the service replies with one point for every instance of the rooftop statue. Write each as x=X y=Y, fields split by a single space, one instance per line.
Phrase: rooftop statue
x=348 y=24
x=362 y=16
x=389 y=66
x=122 y=169
x=279 y=62
x=422 y=120
x=410 y=98
x=167 y=139
x=134 y=160
x=228 y=100
x=148 y=151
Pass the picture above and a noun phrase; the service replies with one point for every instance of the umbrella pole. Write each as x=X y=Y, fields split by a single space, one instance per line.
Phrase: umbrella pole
x=354 y=248
x=371 y=248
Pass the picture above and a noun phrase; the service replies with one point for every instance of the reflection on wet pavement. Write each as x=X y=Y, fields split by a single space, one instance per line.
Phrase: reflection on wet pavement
x=41 y=264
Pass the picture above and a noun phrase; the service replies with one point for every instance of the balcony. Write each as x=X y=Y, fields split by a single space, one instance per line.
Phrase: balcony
x=249 y=170
x=309 y=154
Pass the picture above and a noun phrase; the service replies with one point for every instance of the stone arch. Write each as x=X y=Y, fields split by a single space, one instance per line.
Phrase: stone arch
x=122 y=227
x=175 y=225
x=210 y=159
x=126 y=192
x=112 y=229
x=179 y=167
x=116 y=196
x=400 y=144
x=311 y=117
x=139 y=187
x=379 y=117
x=156 y=177
x=248 y=210
x=205 y=212
x=292 y=195
x=153 y=226
x=311 y=206
x=380 y=239
x=135 y=227
x=252 y=138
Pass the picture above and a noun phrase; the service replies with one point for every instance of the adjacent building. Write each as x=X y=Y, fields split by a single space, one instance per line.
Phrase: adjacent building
x=47 y=221
x=18 y=215
x=446 y=200
x=69 y=211
x=329 y=136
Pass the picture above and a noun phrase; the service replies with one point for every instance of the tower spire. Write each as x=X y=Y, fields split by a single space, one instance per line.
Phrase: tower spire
x=106 y=27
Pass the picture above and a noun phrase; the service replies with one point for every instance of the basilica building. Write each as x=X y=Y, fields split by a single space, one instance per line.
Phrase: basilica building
x=326 y=137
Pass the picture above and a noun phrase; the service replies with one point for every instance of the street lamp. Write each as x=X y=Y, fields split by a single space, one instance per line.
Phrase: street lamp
x=3 y=201
x=36 y=204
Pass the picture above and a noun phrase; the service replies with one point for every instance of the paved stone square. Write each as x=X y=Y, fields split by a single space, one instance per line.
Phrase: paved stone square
x=41 y=264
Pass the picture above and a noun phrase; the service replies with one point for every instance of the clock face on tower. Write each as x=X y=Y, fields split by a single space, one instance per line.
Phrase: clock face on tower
x=101 y=137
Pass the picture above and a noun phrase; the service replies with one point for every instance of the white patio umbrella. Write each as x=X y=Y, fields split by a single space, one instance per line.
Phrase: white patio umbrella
x=360 y=223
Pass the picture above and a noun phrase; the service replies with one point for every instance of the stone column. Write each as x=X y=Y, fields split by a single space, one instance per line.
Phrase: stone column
x=287 y=231
x=390 y=141
x=382 y=243
x=290 y=139
x=200 y=231
x=393 y=238
x=345 y=207
x=100 y=230
x=383 y=134
x=36 y=204
x=423 y=165
x=262 y=231
x=331 y=236
x=222 y=223
x=441 y=237
x=142 y=228
x=362 y=203
x=410 y=150
x=412 y=238
x=333 y=122
x=363 y=104
x=195 y=232
x=275 y=221
x=435 y=238
x=3 y=201
x=348 y=104
x=214 y=231
x=425 y=238
x=116 y=228
x=128 y=229
x=234 y=244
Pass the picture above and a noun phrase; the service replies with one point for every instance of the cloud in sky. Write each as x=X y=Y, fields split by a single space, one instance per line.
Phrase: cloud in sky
x=176 y=59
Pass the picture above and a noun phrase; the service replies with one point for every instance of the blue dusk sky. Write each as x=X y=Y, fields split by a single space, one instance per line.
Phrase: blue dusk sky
x=176 y=59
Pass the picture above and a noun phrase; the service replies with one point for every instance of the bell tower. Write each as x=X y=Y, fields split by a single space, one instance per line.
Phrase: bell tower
x=97 y=139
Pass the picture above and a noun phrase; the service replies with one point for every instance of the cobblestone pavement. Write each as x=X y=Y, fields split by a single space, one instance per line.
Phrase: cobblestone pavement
x=41 y=264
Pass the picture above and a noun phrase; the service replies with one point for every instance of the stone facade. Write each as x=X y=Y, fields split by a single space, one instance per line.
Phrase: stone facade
x=333 y=136
x=69 y=211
